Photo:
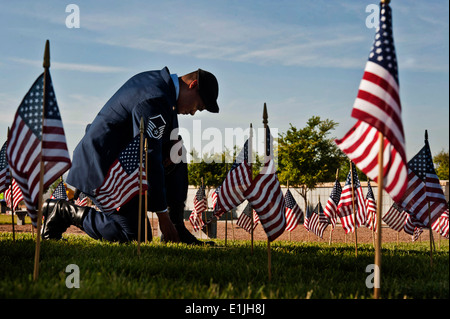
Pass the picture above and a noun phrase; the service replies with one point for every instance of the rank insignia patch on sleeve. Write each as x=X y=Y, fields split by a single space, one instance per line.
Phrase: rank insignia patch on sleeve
x=155 y=126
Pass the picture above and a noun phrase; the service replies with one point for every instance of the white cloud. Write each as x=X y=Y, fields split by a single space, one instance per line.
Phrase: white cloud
x=230 y=40
x=91 y=68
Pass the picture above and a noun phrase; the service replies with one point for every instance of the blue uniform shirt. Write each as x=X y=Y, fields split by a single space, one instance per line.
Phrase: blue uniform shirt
x=151 y=95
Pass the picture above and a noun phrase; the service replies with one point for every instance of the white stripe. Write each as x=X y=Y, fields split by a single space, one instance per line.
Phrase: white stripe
x=381 y=93
x=382 y=73
x=378 y=113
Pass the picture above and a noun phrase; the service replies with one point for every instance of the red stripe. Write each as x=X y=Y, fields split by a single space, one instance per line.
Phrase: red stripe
x=381 y=82
x=384 y=106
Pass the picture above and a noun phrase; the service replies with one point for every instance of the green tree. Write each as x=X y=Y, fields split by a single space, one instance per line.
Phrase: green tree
x=441 y=162
x=308 y=156
x=211 y=168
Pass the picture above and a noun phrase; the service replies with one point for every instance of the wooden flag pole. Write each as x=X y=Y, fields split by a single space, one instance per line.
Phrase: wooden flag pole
x=141 y=132
x=201 y=218
x=46 y=65
x=251 y=177
x=429 y=215
x=377 y=272
x=232 y=226
x=226 y=228
x=332 y=229
x=290 y=233
x=146 y=220
x=269 y=255
x=12 y=198
x=440 y=230
x=12 y=211
x=373 y=223
x=354 y=211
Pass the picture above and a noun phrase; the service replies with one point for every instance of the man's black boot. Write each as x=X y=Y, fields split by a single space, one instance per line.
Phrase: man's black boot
x=59 y=215
x=176 y=213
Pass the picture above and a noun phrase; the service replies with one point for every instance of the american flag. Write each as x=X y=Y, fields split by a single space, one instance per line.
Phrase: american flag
x=413 y=227
x=237 y=181
x=424 y=189
x=378 y=109
x=214 y=196
x=417 y=232
x=371 y=207
x=60 y=192
x=323 y=219
x=331 y=207
x=245 y=219
x=293 y=211
x=345 y=207
x=24 y=146
x=312 y=221
x=17 y=195
x=5 y=178
x=395 y=217
x=441 y=225
x=122 y=181
x=266 y=197
x=267 y=200
x=81 y=200
x=200 y=205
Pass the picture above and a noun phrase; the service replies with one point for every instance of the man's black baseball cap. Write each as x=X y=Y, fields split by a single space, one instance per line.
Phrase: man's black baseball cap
x=209 y=90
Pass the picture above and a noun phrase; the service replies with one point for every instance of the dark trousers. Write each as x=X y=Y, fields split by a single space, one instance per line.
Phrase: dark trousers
x=122 y=225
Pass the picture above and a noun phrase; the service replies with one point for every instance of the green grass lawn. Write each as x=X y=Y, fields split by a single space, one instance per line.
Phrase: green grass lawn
x=299 y=270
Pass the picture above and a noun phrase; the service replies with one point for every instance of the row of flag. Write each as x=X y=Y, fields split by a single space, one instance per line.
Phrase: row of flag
x=263 y=193
x=376 y=143
x=338 y=207
x=413 y=185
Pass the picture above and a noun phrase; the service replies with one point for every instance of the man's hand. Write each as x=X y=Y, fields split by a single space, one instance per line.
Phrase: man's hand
x=167 y=228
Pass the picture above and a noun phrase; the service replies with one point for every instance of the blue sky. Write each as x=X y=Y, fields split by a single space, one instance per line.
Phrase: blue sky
x=302 y=58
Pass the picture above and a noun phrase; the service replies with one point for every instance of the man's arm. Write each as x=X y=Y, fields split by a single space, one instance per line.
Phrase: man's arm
x=155 y=115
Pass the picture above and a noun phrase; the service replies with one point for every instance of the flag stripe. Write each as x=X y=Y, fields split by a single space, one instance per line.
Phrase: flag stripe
x=267 y=200
x=361 y=144
x=293 y=212
x=121 y=183
x=17 y=194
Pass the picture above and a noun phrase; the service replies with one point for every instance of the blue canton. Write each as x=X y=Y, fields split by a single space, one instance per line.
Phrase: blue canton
x=383 y=50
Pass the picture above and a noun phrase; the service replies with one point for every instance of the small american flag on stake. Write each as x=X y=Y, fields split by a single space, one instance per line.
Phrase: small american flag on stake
x=312 y=222
x=200 y=206
x=293 y=211
x=345 y=207
x=332 y=204
x=424 y=188
x=371 y=207
x=266 y=197
x=17 y=195
x=245 y=219
x=378 y=109
x=441 y=225
x=5 y=178
x=237 y=181
x=122 y=181
x=413 y=227
x=395 y=217
x=24 y=146
x=214 y=196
